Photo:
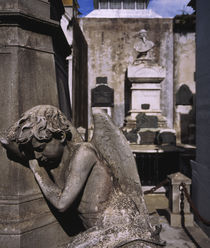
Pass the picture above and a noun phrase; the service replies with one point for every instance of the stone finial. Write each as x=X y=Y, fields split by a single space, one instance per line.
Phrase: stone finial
x=178 y=178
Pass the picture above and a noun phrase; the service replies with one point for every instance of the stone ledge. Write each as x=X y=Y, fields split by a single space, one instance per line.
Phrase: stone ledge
x=20 y=214
x=144 y=73
x=28 y=225
x=19 y=18
x=13 y=200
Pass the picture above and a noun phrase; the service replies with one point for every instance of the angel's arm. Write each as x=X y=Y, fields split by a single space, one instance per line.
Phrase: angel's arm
x=13 y=151
x=81 y=165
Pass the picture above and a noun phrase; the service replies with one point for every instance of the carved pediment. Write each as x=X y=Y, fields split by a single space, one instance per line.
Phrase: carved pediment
x=146 y=73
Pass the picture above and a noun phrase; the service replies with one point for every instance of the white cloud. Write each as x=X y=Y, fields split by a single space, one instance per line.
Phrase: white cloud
x=170 y=8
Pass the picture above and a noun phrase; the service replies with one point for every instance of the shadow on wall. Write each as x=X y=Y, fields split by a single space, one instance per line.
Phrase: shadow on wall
x=186 y=100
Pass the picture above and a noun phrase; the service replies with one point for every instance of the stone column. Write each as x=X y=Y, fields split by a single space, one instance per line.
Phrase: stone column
x=27 y=78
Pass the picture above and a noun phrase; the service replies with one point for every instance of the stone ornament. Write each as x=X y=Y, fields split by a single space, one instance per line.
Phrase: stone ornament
x=146 y=73
x=100 y=174
x=143 y=47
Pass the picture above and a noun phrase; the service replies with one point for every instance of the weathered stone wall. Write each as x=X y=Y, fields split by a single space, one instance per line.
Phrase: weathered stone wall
x=110 y=50
x=184 y=82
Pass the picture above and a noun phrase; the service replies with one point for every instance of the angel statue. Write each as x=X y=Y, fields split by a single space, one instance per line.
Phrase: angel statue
x=101 y=173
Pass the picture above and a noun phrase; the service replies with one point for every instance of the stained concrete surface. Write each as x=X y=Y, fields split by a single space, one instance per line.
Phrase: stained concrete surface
x=191 y=237
x=175 y=237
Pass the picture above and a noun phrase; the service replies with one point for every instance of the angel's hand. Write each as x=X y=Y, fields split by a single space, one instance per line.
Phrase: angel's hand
x=11 y=146
x=34 y=165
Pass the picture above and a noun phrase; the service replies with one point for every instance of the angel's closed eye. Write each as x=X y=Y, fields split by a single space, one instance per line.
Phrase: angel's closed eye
x=39 y=148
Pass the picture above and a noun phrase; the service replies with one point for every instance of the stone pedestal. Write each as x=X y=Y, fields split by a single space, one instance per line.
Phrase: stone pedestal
x=146 y=124
x=145 y=98
x=145 y=90
x=174 y=201
x=146 y=121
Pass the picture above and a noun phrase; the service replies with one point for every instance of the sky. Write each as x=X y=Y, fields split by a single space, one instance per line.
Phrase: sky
x=165 y=8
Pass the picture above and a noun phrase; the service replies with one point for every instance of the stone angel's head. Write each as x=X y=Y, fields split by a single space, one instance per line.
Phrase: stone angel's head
x=40 y=133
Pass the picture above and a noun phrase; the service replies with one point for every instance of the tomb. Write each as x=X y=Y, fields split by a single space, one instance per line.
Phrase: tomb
x=145 y=114
x=102 y=96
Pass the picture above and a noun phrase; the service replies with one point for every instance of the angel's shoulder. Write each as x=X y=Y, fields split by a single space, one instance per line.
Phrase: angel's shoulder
x=85 y=147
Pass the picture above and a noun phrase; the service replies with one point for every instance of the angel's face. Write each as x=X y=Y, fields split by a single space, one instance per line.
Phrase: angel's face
x=50 y=151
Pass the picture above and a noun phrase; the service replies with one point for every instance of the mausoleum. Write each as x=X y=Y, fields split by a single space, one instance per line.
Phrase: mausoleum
x=149 y=62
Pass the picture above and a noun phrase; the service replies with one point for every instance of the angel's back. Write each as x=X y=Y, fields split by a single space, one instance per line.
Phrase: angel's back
x=97 y=190
x=106 y=210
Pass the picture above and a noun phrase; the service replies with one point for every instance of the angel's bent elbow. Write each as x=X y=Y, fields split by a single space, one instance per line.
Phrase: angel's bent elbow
x=62 y=208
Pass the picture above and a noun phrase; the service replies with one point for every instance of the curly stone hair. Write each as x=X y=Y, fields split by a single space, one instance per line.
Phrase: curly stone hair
x=42 y=122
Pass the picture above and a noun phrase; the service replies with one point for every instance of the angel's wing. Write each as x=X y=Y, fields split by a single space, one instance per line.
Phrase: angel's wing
x=114 y=147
